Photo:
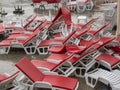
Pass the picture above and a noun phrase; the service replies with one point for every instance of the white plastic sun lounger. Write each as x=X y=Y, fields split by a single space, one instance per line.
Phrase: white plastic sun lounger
x=54 y=81
x=106 y=77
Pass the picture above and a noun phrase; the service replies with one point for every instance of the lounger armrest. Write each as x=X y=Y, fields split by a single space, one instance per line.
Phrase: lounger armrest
x=10 y=72
x=54 y=61
x=50 y=73
x=25 y=85
x=93 y=71
x=27 y=32
x=21 y=78
x=42 y=85
x=59 y=38
x=56 y=43
x=7 y=74
x=52 y=45
x=15 y=41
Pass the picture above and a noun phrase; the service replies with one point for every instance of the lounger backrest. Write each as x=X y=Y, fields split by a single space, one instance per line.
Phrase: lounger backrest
x=28 y=39
x=90 y=22
x=108 y=58
x=26 y=67
x=102 y=42
x=104 y=26
x=9 y=79
x=29 y=19
x=68 y=37
x=89 y=46
x=89 y=43
x=106 y=40
x=81 y=32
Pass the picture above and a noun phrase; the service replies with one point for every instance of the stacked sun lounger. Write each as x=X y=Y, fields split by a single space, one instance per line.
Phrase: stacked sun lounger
x=64 y=62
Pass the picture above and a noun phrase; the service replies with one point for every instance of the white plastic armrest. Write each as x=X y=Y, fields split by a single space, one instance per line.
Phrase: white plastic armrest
x=7 y=74
x=54 y=61
x=97 y=69
x=56 y=43
x=50 y=73
x=59 y=38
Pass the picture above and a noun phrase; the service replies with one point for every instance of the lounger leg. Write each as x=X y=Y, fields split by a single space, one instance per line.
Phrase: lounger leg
x=4 y=50
x=30 y=49
x=89 y=5
x=81 y=8
x=43 y=50
x=80 y=71
x=66 y=69
x=71 y=8
x=91 y=81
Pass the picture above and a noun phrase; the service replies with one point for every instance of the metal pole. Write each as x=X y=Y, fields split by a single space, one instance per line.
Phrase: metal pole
x=118 y=18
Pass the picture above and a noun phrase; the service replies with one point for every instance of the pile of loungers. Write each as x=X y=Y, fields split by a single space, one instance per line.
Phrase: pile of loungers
x=83 y=50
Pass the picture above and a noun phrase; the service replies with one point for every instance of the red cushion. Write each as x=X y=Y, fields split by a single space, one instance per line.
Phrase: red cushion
x=61 y=82
x=50 y=42
x=74 y=49
x=29 y=20
x=68 y=37
x=74 y=59
x=2 y=77
x=5 y=43
x=29 y=70
x=10 y=26
x=24 y=42
x=106 y=39
x=57 y=49
x=34 y=75
x=78 y=25
x=115 y=48
x=92 y=32
x=58 y=57
x=81 y=32
x=44 y=64
x=57 y=35
x=109 y=59
x=88 y=43
x=17 y=31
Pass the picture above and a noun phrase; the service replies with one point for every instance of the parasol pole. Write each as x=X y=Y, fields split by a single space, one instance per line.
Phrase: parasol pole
x=118 y=18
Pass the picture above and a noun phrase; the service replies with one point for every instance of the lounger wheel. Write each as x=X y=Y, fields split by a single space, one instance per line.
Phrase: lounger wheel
x=30 y=50
x=80 y=72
